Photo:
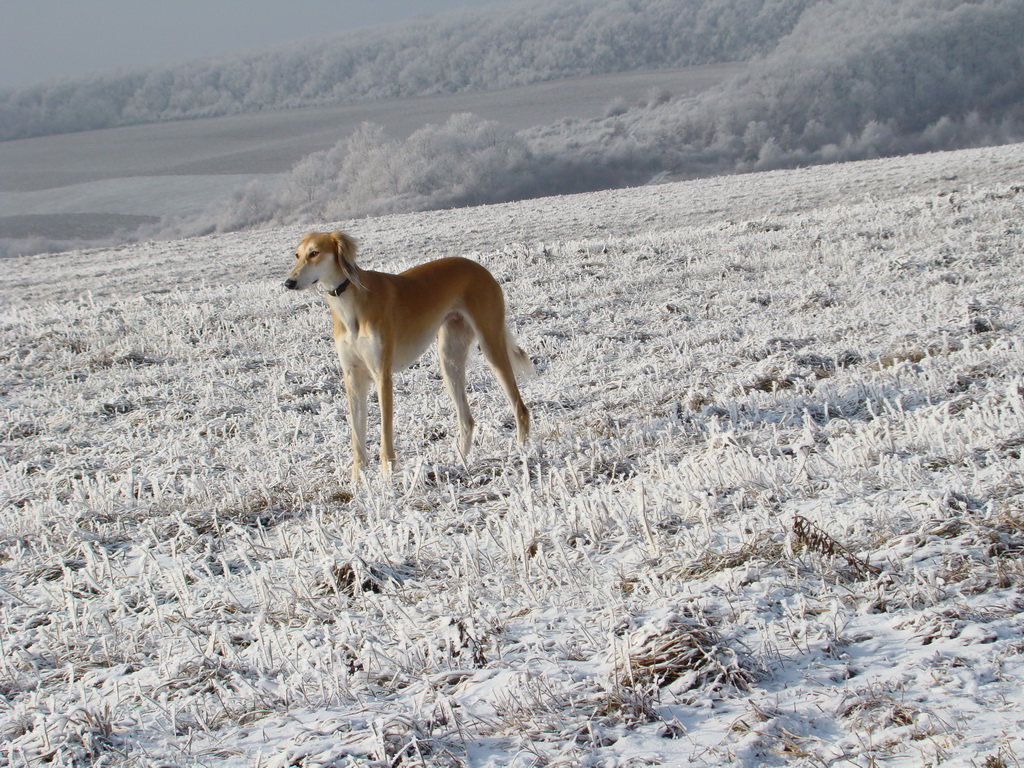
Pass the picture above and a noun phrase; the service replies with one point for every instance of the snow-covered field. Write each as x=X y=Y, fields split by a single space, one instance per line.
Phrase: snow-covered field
x=771 y=512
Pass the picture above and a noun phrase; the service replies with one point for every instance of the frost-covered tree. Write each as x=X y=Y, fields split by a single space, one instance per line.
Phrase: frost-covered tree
x=854 y=79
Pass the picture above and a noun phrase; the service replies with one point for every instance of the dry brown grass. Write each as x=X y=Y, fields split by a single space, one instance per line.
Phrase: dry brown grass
x=807 y=535
x=690 y=654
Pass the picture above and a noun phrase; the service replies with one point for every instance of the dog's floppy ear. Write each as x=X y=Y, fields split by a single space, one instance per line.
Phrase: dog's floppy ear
x=346 y=246
x=346 y=249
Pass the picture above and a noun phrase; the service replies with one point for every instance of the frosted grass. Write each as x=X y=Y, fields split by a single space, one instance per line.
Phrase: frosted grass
x=186 y=577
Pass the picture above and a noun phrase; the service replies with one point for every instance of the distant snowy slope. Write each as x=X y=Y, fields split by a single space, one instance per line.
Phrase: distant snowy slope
x=771 y=513
x=61 y=192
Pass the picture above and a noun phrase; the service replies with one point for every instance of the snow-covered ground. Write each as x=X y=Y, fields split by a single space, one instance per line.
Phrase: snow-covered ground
x=771 y=511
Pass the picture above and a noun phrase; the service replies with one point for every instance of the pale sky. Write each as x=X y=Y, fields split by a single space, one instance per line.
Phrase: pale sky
x=42 y=40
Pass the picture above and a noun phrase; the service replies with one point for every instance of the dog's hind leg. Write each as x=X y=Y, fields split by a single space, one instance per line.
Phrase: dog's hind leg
x=498 y=351
x=453 y=341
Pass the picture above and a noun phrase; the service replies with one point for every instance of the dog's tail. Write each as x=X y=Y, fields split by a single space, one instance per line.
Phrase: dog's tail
x=521 y=362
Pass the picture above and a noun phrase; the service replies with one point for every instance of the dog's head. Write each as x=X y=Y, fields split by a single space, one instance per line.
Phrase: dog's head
x=327 y=258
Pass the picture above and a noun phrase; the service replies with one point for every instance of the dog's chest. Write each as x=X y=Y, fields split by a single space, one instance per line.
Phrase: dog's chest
x=357 y=350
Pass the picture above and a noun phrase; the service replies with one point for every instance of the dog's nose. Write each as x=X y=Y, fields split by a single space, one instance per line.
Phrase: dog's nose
x=290 y=283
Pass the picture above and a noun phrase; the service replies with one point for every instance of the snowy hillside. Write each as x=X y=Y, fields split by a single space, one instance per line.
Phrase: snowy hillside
x=493 y=47
x=770 y=514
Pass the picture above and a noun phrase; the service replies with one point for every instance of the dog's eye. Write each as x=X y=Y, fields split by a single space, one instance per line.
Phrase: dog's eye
x=314 y=254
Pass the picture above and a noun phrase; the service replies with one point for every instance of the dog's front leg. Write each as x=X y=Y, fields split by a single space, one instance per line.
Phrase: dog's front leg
x=357 y=388
x=385 y=396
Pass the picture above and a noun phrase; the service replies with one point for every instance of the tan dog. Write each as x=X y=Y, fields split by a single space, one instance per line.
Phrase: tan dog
x=384 y=322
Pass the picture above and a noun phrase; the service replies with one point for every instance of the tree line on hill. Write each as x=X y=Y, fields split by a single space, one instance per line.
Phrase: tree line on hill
x=495 y=47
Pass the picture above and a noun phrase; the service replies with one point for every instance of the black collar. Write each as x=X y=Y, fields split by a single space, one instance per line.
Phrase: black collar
x=340 y=289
